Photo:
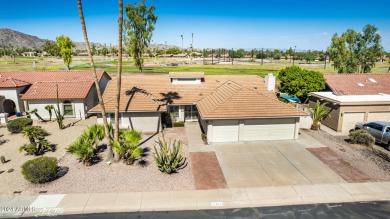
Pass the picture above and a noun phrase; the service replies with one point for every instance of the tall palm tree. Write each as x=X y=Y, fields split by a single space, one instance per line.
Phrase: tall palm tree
x=119 y=77
x=99 y=92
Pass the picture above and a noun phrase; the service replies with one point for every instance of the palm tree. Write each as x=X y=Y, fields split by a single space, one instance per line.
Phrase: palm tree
x=119 y=79
x=128 y=146
x=99 y=92
x=49 y=108
x=319 y=113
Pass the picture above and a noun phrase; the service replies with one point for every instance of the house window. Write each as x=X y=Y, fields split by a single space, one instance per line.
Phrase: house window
x=111 y=118
x=175 y=111
x=68 y=108
x=186 y=79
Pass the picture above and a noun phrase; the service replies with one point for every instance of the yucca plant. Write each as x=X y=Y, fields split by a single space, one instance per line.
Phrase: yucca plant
x=38 y=144
x=319 y=113
x=83 y=149
x=49 y=108
x=169 y=157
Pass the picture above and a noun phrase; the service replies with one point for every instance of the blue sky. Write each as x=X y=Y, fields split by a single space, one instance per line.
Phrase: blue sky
x=229 y=24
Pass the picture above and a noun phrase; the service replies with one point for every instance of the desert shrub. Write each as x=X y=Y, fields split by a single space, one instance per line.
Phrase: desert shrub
x=40 y=170
x=169 y=157
x=204 y=137
x=178 y=124
x=82 y=148
x=17 y=125
x=361 y=137
x=2 y=159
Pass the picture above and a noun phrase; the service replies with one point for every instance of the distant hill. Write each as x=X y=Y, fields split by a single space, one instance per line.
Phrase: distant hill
x=19 y=39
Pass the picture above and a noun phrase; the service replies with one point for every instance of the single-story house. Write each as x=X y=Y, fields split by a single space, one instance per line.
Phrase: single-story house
x=229 y=108
x=23 y=91
x=354 y=98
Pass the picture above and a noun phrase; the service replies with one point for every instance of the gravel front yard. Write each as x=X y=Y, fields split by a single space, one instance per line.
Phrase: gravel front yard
x=101 y=177
x=360 y=157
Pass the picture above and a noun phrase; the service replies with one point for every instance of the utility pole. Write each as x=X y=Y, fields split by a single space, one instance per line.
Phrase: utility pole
x=166 y=47
x=325 y=59
x=192 y=47
x=232 y=56
x=212 y=56
x=182 y=43
x=262 y=55
x=294 y=54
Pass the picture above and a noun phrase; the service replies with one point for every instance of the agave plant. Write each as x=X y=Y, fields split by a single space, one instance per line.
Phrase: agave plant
x=169 y=157
x=319 y=113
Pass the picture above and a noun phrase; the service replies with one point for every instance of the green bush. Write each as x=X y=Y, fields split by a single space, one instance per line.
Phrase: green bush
x=178 y=124
x=169 y=157
x=40 y=170
x=361 y=136
x=17 y=125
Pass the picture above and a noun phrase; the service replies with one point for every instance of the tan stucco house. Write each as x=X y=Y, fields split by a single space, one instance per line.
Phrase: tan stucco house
x=354 y=98
x=229 y=108
x=23 y=91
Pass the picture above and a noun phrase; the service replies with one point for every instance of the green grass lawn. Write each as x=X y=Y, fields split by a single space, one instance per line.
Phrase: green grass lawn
x=161 y=65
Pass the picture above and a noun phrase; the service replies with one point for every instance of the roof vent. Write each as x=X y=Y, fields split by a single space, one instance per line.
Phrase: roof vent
x=360 y=84
x=372 y=80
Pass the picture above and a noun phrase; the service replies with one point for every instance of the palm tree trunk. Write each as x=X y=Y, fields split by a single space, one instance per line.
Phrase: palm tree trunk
x=99 y=92
x=119 y=78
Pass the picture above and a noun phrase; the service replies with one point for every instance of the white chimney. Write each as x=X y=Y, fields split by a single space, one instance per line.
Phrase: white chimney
x=270 y=82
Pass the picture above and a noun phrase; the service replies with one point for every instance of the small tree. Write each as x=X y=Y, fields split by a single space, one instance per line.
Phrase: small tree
x=319 y=113
x=300 y=82
x=139 y=28
x=49 y=108
x=65 y=44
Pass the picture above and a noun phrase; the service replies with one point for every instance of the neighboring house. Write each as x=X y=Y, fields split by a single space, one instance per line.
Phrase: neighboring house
x=23 y=91
x=229 y=108
x=354 y=98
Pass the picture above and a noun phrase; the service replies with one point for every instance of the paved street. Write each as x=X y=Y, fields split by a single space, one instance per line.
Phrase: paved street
x=364 y=210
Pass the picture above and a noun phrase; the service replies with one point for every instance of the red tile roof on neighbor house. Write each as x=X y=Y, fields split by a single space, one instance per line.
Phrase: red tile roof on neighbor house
x=71 y=84
x=66 y=90
x=358 y=84
x=12 y=82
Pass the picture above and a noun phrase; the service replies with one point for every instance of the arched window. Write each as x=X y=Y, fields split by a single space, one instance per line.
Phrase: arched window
x=68 y=108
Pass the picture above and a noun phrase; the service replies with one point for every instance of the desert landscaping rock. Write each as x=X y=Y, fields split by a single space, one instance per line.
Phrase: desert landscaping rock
x=117 y=177
x=360 y=157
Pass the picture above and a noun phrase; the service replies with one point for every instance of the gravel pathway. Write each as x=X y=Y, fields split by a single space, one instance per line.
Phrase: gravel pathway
x=360 y=157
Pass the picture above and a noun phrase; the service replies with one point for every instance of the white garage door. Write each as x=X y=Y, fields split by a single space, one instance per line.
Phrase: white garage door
x=378 y=116
x=269 y=129
x=225 y=130
x=350 y=119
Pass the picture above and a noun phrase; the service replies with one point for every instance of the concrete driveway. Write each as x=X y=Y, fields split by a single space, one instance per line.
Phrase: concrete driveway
x=271 y=163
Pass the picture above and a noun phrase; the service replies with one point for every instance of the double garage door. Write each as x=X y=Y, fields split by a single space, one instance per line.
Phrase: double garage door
x=253 y=130
x=351 y=118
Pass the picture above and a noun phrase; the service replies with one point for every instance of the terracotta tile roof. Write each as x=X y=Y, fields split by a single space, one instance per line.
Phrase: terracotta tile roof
x=35 y=76
x=66 y=90
x=186 y=74
x=358 y=84
x=12 y=82
x=232 y=100
x=137 y=100
x=160 y=89
x=72 y=84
